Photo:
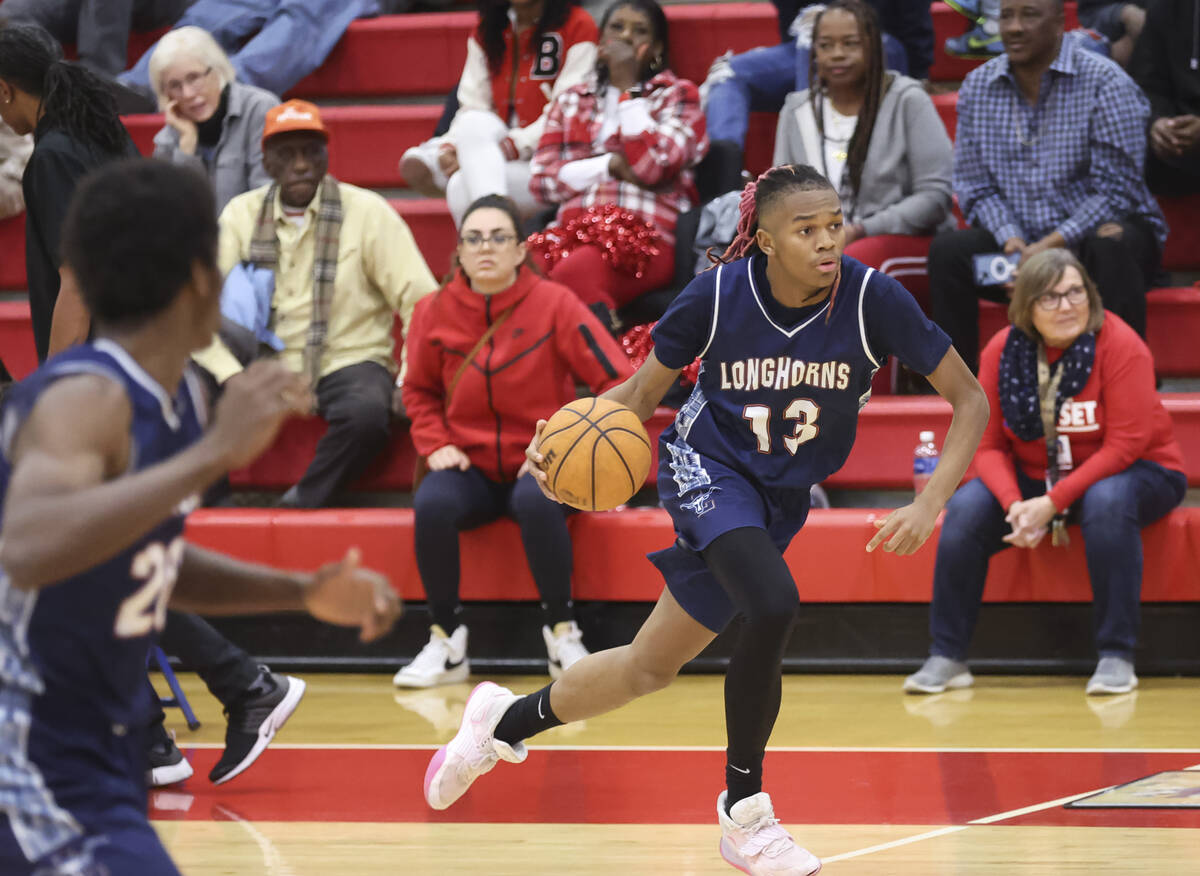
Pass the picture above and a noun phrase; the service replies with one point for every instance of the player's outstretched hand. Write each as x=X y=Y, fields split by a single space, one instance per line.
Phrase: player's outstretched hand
x=253 y=407
x=905 y=529
x=347 y=595
x=534 y=461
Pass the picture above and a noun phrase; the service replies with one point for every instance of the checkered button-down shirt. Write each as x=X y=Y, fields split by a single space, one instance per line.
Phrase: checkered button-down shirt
x=1071 y=162
x=661 y=156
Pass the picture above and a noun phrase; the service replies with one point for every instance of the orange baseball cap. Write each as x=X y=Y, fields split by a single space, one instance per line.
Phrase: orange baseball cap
x=295 y=115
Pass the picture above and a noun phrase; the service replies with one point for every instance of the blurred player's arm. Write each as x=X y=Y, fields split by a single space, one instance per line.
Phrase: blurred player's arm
x=339 y=593
x=69 y=505
x=642 y=392
x=906 y=529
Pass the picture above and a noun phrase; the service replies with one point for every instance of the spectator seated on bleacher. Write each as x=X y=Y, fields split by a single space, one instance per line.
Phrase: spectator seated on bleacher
x=616 y=157
x=1050 y=152
x=338 y=263
x=503 y=102
x=214 y=123
x=875 y=134
x=1077 y=432
x=14 y=154
x=497 y=349
x=273 y=44
x=760 y=79
x=1118 y=21
x=1166 y=64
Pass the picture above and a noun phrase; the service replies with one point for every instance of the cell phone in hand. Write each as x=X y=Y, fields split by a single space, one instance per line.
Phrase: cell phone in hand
x=995 y=268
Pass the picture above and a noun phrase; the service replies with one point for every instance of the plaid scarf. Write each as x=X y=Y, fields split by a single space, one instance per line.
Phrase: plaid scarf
x=264 y=253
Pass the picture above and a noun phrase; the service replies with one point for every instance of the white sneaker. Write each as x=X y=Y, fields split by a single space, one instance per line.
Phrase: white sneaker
x=474 y=750
x=564 y=646
x=1113 y=675
x=753 y=841
x=443 y=660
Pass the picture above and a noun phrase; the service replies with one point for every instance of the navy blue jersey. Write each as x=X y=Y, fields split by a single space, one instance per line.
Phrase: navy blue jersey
x=78 y=647
x=780 y=389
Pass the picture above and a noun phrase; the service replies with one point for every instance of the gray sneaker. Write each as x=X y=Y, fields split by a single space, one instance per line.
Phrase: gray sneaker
x=1113 y=675
x=937 y=675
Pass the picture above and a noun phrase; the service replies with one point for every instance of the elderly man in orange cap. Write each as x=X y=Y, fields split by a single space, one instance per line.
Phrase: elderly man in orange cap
x=339 y=263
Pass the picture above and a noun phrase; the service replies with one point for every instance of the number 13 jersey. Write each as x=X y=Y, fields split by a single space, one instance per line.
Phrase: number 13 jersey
x=780 y=388
x=80 y=645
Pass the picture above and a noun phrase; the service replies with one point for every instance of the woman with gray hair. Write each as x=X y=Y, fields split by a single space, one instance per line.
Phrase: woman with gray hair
x=1077 y=434
x=214 y=122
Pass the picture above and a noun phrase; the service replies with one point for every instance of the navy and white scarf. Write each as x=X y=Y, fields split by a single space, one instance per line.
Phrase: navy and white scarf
x=1019 y=403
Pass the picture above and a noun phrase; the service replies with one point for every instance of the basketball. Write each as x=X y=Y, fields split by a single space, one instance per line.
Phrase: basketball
x=597 y=454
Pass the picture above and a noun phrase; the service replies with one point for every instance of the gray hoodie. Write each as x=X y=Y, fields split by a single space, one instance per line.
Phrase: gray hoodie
x=906 y=182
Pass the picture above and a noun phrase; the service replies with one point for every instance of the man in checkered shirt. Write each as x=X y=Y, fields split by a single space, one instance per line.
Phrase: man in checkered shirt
x=1050 y=153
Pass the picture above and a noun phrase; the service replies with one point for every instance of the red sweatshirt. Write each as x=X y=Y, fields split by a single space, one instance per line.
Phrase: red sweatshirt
x=1115 y=420
x=525 y=372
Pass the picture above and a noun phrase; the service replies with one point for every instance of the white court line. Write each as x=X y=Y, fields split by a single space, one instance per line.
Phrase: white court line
x=800 y=749
x=990 y=819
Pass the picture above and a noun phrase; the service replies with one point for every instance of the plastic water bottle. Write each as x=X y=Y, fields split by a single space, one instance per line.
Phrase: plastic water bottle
x=925 y=460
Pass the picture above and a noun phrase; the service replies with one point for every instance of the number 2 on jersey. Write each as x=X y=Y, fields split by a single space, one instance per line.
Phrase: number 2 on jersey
x=804 y=410
x=146 y=610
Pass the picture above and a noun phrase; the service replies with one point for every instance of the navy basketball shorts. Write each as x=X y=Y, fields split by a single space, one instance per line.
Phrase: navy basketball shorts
x=707 y=499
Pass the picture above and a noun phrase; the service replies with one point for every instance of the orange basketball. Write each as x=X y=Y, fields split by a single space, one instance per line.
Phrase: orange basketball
x=597 y=454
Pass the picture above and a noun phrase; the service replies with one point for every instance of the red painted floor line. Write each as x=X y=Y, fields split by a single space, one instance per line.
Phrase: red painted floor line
x=673 y=787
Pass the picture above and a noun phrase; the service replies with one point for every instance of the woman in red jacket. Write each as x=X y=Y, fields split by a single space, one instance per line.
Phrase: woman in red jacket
x=1111 y=460
x=495 y=350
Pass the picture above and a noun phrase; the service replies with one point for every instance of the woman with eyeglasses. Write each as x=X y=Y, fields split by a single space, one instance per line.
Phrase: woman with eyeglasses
x=75 y=127
x=1077 y=434
x=214 y=123
x=496 y=349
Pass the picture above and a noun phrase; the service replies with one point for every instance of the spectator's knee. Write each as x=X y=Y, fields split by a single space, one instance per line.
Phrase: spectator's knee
x=368 y=423
x=1106 y=504
x=478 y=125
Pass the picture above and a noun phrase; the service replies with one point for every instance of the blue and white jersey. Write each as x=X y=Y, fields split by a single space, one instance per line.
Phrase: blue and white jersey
x=780 y=388
x=77 y=649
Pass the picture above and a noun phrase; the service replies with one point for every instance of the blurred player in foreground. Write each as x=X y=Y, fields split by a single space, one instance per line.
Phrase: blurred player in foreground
x=103 y=452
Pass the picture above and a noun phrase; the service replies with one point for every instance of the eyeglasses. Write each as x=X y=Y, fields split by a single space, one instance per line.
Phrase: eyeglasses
x=175 y=87
x=1051 y=301
x=476 y=239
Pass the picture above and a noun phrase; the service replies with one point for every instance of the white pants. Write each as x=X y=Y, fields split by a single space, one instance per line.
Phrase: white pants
x=483 y=168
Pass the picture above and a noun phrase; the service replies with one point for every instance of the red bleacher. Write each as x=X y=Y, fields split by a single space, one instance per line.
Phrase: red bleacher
x=827 y=558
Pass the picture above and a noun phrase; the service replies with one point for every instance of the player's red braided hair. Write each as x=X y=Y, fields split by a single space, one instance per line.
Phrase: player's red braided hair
x=757 y=196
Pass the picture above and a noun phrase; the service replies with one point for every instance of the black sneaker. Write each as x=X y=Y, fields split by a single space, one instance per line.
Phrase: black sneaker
x=165 y=762
x=253 y=722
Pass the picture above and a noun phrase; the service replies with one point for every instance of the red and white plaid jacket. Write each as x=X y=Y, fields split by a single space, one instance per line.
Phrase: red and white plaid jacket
x=661 y=156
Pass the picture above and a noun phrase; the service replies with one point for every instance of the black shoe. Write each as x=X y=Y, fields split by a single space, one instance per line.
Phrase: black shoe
x=253 y=721
x=165 y=762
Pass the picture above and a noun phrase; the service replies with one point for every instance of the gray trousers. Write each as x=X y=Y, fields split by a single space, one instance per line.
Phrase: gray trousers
x=99 y=28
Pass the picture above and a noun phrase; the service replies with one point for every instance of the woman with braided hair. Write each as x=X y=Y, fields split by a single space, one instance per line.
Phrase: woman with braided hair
x=789 y=332
x=75 y=127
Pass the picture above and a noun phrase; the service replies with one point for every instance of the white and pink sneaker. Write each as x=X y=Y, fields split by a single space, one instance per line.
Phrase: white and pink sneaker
x=753 y=841
x=473 y=751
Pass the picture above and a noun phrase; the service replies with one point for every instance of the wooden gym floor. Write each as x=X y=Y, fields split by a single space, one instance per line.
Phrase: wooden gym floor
x=875 y=782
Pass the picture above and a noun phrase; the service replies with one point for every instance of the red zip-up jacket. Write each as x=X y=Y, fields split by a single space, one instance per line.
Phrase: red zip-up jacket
x=525 y=372
x=1115 y=420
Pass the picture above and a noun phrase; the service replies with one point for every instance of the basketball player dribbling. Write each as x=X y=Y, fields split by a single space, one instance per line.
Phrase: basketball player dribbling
x=789 y=332
x=99 y=464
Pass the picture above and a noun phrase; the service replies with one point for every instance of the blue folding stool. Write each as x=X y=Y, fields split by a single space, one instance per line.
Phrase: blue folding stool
x=177 y=698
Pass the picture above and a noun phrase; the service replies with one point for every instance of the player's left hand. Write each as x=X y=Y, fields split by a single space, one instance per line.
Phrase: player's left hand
x=347 y=595
x=905 y=529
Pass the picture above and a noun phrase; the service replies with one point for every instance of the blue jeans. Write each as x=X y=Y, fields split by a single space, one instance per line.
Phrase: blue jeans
x=288 y=39
x=762 y=78
x=1111 y=515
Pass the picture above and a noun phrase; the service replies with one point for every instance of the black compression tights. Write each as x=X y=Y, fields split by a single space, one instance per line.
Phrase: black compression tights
x=752 y=571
